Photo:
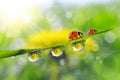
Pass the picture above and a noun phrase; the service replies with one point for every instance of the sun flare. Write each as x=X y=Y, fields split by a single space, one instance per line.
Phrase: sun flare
x=15 y=15
x=14 y=9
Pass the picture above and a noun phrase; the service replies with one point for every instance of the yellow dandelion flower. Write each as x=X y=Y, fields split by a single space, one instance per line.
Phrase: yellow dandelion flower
x=47 y=38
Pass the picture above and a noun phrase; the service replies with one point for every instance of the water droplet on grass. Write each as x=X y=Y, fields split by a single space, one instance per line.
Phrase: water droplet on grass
x=57 y=52
x=33 y=57
x=77 y=46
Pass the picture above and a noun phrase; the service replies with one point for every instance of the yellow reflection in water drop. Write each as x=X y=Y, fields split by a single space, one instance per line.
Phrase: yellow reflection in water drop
x=57 y=52
x=78 y=46
x=33 y=57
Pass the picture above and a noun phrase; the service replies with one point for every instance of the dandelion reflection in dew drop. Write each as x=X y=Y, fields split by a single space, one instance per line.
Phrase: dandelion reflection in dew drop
x=33 y=57
x=78 y=46
x=56 y=52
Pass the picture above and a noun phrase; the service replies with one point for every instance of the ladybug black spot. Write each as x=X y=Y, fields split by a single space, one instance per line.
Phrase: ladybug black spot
x=75 y=35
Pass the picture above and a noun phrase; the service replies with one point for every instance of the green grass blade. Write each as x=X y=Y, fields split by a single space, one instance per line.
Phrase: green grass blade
x=9 y=53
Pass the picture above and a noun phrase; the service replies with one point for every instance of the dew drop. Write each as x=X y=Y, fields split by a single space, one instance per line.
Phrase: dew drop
x=33 y=57
x=77 y=46
x=57 y=52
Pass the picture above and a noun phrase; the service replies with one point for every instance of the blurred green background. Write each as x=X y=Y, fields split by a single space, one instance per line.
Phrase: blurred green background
x=20 y=19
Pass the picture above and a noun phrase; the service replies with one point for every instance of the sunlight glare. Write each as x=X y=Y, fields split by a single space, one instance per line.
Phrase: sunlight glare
x=13 y=9
x=26 y=19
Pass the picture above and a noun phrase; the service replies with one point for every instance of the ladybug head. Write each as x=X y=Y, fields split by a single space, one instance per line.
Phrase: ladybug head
x=80 y=34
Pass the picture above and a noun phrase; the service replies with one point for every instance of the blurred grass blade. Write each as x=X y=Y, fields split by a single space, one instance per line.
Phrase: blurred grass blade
x=103 y=31
x=9 y=53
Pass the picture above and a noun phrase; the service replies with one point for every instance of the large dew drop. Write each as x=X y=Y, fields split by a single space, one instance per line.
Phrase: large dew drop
x=78 y=46
x=33 y=57
x=57 y=52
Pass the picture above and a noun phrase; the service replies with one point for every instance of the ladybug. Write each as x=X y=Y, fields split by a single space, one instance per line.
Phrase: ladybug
x=92 y=31
x=75 y=34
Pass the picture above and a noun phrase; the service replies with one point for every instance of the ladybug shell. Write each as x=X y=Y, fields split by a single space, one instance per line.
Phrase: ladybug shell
x=75 y=34
x=92 y=31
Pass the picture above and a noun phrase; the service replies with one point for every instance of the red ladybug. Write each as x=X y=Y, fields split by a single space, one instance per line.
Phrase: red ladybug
x=75 y=34
x=92 y=31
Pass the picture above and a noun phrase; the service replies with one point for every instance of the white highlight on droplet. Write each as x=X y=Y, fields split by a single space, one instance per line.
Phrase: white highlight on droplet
x=33 y=60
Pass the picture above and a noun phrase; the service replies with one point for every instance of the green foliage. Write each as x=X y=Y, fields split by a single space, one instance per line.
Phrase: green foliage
x=100 y=65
